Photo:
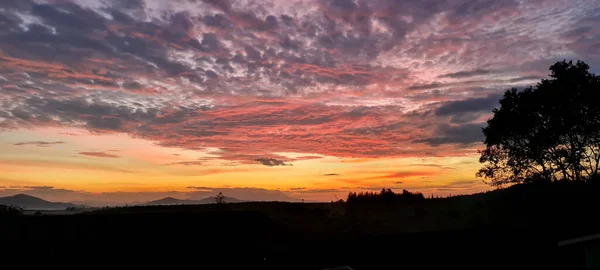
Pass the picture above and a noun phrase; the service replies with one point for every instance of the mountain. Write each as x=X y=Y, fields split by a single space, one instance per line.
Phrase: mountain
x=33 y=203
x=174 y=201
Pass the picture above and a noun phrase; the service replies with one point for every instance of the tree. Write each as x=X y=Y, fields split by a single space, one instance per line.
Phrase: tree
x=10 y=211
x=548 y=132
x=220 y=199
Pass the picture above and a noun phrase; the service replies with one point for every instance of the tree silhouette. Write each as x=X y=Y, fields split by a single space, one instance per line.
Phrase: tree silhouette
x=220 y=198
x=548 y=132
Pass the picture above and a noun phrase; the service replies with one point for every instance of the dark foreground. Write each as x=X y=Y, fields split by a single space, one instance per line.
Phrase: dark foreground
x=226 y=239
x=483 y=232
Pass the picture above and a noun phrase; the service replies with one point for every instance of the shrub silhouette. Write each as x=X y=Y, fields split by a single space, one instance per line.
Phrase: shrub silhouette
x=548 y=132
x=10 y=211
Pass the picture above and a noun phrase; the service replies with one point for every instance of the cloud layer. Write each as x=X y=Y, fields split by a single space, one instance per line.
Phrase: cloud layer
x=343 y=78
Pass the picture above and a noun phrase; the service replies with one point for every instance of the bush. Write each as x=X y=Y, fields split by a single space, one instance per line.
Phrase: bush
x=10 y=211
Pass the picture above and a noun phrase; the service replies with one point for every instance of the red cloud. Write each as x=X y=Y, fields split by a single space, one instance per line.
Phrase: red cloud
x=399 y=175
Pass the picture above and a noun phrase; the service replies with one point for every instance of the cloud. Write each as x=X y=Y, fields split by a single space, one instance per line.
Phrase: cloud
x=469 y=106
x=39 y=187
x=39 y=143
x=317 y=191
x=189 y=163
x=433 y=85
x=525 y=78
x=334 y=78
x=331 y=174
x=200 y=188
x=217 y=20
x=466 y=74
x=270 y=162
x=99 y=154
x=402 y=175
x=454 y=134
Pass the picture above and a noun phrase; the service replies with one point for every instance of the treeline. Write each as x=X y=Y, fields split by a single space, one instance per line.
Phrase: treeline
x=386 y=196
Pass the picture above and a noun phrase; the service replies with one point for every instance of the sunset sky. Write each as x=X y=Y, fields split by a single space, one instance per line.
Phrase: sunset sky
x=123 y=101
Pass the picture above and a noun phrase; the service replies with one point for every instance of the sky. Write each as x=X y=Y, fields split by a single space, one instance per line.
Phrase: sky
x=126 y=101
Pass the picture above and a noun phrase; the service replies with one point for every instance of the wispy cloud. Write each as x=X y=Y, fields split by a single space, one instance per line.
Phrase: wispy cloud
x=39 y=143
x=397 y=175
x=99 y=154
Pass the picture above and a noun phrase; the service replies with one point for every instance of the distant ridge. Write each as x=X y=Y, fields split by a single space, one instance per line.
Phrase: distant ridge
x=175 y=201
x=29 y=202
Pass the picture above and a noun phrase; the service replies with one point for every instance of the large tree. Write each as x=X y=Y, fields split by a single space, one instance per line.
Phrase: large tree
x=549 y=132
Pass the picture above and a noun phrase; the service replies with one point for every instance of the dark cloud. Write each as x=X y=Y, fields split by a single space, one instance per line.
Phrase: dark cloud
x=189 y=163
x=525 y=78
x=477 y=8
x=289 y=20
x=474 y=105
x=463 y=183
x=99 y=154
x=466 y=74
x=426 y=86
x=39 y=143
x=75 y=17
x=96 y=113
x=217 y=20
x=39 y=187
x=271 y=22
x=331 y=174
x=270 y=162
x=454 y=134
x=344 y=4
x=305 y=191
x=200 y=188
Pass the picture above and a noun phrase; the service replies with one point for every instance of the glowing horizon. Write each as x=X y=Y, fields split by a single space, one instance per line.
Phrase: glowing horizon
x=128 y=101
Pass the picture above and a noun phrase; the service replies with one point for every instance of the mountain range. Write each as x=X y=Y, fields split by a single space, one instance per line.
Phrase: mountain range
x=175 y=201
x=28 y=202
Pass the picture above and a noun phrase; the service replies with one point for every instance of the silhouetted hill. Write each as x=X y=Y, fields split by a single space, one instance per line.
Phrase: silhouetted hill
x=175 y=201
x=33 y=203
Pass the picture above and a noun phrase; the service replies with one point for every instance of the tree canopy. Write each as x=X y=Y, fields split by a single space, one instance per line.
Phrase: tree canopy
x=548 y=132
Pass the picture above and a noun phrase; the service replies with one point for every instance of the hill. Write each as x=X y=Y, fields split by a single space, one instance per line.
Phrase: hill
x=28 y=202
x=175 y=201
